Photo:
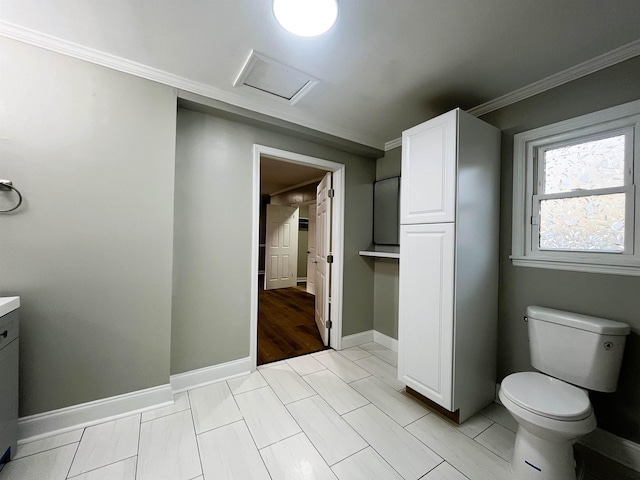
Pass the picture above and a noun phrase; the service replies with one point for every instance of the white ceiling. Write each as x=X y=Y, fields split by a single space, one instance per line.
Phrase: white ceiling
x=385 y=66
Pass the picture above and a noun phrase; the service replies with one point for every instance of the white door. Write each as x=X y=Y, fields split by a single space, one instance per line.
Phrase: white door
x=311 y=252
x=429 y=154
x=425 y=314
x=323 y=249
x=281 y=260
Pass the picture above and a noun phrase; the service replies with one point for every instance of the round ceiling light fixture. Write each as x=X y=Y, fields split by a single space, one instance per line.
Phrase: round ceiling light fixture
x=306 y=18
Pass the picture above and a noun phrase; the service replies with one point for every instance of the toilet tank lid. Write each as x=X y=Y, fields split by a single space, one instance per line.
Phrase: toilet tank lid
x=597 y=325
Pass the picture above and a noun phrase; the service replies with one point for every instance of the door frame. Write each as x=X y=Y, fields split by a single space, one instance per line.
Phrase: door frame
x=337 y=241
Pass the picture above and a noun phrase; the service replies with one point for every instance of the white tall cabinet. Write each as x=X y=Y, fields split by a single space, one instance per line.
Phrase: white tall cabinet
x=448 y=300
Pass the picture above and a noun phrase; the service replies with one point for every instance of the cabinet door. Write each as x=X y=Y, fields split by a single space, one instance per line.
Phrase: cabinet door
x=429 y=153
x=426 y=323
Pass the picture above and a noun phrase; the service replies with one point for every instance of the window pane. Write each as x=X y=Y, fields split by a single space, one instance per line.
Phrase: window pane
x=594 y=223
x=587 y=165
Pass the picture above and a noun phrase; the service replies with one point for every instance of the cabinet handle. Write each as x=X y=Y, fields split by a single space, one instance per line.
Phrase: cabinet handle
x=4 y=334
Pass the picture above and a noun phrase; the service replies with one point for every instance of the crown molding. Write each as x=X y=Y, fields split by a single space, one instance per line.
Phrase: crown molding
x=390 y=145
x=32 y=37
x=583 y=69
x=600 y=62
x=48 y=42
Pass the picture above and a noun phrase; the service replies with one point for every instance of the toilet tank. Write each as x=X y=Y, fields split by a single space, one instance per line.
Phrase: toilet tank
x=579 y=349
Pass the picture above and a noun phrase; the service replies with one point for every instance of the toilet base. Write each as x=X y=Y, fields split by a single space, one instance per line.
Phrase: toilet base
x=542 y=459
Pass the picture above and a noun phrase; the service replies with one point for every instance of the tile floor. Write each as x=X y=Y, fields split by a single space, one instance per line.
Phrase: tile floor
x=328 y=415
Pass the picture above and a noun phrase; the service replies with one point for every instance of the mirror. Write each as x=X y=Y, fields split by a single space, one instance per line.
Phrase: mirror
x=386 y=211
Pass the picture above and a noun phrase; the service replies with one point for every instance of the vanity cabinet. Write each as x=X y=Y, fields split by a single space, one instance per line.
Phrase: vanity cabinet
x=448 y=295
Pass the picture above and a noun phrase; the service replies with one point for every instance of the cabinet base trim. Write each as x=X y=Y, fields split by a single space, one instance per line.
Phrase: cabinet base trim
x=443 y=412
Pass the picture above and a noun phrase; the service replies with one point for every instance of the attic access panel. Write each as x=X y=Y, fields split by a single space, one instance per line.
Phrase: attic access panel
x=274 y=78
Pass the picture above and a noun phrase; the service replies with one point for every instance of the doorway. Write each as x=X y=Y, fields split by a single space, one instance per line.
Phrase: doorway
x=330 y=304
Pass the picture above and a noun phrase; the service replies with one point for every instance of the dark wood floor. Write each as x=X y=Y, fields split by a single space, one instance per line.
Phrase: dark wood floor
x=286 y=325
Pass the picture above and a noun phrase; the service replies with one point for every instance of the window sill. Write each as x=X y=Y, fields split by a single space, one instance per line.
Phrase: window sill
x=632 y=270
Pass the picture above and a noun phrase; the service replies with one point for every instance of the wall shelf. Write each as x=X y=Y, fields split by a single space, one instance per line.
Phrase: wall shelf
x=370 y=253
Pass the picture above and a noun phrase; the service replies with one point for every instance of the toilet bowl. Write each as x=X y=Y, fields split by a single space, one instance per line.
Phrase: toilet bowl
x=551 y=416
x=574 y=352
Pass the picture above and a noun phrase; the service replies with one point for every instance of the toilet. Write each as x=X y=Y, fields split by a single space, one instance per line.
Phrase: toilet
x=574 y=353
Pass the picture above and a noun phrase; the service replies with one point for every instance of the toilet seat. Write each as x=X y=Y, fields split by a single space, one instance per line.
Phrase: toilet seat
x=546 y=396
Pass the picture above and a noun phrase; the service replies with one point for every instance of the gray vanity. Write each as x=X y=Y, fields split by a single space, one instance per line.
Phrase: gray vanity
x=9 y=378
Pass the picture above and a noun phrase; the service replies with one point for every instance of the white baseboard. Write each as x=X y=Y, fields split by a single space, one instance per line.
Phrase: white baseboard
x=55 y=422
x=370 y=336
x=616 y=448
x=203 y=376
x=385 y=340
x=301 y=280
x=42 y=425
x=357 y=339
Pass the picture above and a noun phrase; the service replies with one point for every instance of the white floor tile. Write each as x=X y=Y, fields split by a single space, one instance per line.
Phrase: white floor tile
x=180 y=404
x=295 y=459
x=123 y=470
x=445 y=471
x=354 y=353
x=474 y=426
x=247 y=382
x=168 y=449
x=398 y=406
x=499 y=440
x=501 y=415
x=213 y=406
x=48 y=443
x=287 y=384
x=335 y=392
x=322 y=352
x=328 y=432
x=342 y=367
x=272 y=364
x=402 y=451
x=107 y=443
x=379 y=351
x=305 y=364
x=366 y=464
x=463 y=453
x=51 y=464
x=229 y=453
x=267 y=418
x=381 y=369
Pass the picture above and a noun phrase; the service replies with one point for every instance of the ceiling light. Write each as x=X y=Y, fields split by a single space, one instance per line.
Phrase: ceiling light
x=306 y=18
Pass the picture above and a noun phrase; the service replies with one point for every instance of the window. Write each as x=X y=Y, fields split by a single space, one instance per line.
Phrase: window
x=574 y=202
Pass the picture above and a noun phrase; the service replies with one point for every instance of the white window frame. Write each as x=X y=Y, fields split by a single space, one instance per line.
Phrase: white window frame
x=527 y=145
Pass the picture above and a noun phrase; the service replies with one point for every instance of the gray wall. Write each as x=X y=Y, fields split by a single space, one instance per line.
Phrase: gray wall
x=212 y=259
x=611 y=296
x=385 y=296
x=90 y=250
x=389 y=165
